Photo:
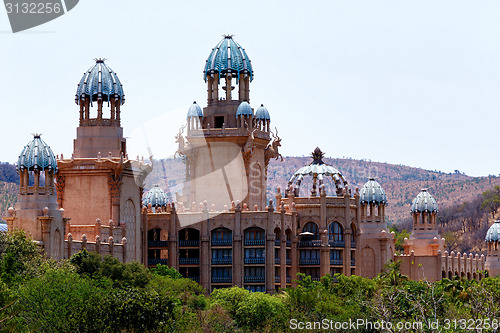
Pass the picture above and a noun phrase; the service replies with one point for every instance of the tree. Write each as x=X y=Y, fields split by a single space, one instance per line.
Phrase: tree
x=491 y=200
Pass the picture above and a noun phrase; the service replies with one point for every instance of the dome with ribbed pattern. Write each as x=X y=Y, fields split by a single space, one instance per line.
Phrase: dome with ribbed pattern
x=228 y=57
x=195 y=111
x=372 y=192
x=100 y=82
x=493 y=233
x=156 y=197
x=262 y=113
x=424 y=202
x=37 y=155
x=244 y=109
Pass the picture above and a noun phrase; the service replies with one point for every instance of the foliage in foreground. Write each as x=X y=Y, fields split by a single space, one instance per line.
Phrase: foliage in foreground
x=89 y=293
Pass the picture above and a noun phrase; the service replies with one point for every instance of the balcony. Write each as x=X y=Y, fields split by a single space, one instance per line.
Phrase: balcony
x=194 y=278
x=309 y=262
x=255 y=279
x=254 y=242
x=315 y=278
x=353 y=262
x=277 y=279
x=336 y=262
x=222 y=242
x=222 y=261
x=154 y=262
x=288 y=261
x=336 y=243
x=288 y=279
x=261 y=260
x=189 y=243
x=288 y=243
x=310 y=243
x=158 y=243
x=277 y=242
x=277 y=261
x=189 y=261
x=222 y=279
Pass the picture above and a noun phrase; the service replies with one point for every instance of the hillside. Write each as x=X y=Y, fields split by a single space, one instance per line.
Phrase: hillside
x=401 y=183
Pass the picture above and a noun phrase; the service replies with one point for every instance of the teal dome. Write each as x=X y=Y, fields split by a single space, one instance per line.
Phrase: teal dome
x=262 y=113
x=100 y=81
x=424 y=202
x=156 y=197
x=244 y=109
x=195 y=111
x=228 y=57
x=493 y=233
x=37 y=155
x=372 y=192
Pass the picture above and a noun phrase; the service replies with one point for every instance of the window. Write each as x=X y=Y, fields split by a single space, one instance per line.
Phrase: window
x=219 y=121
x=222 y=254
x=312 y=228
x=254 y=253
x=335 y=233
x=254 y=234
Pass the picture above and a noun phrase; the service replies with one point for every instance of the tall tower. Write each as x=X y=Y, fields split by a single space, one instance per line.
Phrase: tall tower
x=99 y=181
x=376 y=243
x=226 y=148
x=492 y=264
x=424 y=239
x=36 y=209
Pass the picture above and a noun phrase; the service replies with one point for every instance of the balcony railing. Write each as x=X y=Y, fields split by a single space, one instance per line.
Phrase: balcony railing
x=336 y=243
x=288 y=279
x=277 y=279
x=222 y=279
x=277 y=261
x=255 y=279
x=288 y=243
x=184 y=243
x=222 y=242
x=288 y=261
x=194 y=278
x=158 y=261
x=277 y=242
x=189 y=261
x=336 y=262
x=255 y=260
x=310 y=243
x=158 y=243
x=309 y=262
x=222 y=261
x=253 y=242
x=353 y=262
x=315 y=278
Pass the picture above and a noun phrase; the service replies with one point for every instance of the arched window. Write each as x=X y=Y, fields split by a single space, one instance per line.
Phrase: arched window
x=310 y=231
x=255 y=236
x=336 y=234
x=221 y=237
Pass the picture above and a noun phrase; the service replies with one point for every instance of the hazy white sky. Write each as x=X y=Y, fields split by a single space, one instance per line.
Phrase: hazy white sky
x=405 y=82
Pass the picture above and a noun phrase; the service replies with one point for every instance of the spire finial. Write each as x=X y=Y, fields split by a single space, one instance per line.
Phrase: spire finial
x=317 y=156
x=100 y=60
x=227 y=36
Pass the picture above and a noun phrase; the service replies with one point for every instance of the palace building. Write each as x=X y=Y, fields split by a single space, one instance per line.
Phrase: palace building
x=222 y=231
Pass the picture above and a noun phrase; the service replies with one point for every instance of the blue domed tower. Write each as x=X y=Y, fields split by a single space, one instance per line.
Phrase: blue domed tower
x=424 y=239
x=36 y=210
x=98 y=89
x=492 y=239
x=157 y=198
x=225 y=133
x=99 y=182
x=372 y=200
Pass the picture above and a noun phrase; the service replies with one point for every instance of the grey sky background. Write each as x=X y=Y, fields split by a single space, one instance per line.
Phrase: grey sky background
x=404 y=82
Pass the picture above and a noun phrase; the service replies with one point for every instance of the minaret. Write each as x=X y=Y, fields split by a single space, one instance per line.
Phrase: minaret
x=225 y=146
x=99 y=181
x=36 y=210
x=424 y=239
x=98 y=132
x=492 y=264
x=374 y=238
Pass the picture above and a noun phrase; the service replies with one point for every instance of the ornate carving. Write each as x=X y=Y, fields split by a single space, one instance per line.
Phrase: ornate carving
x=184 y=146
x=60 y=183
x=115 y=183
x=247 y=150
x=272 y=149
